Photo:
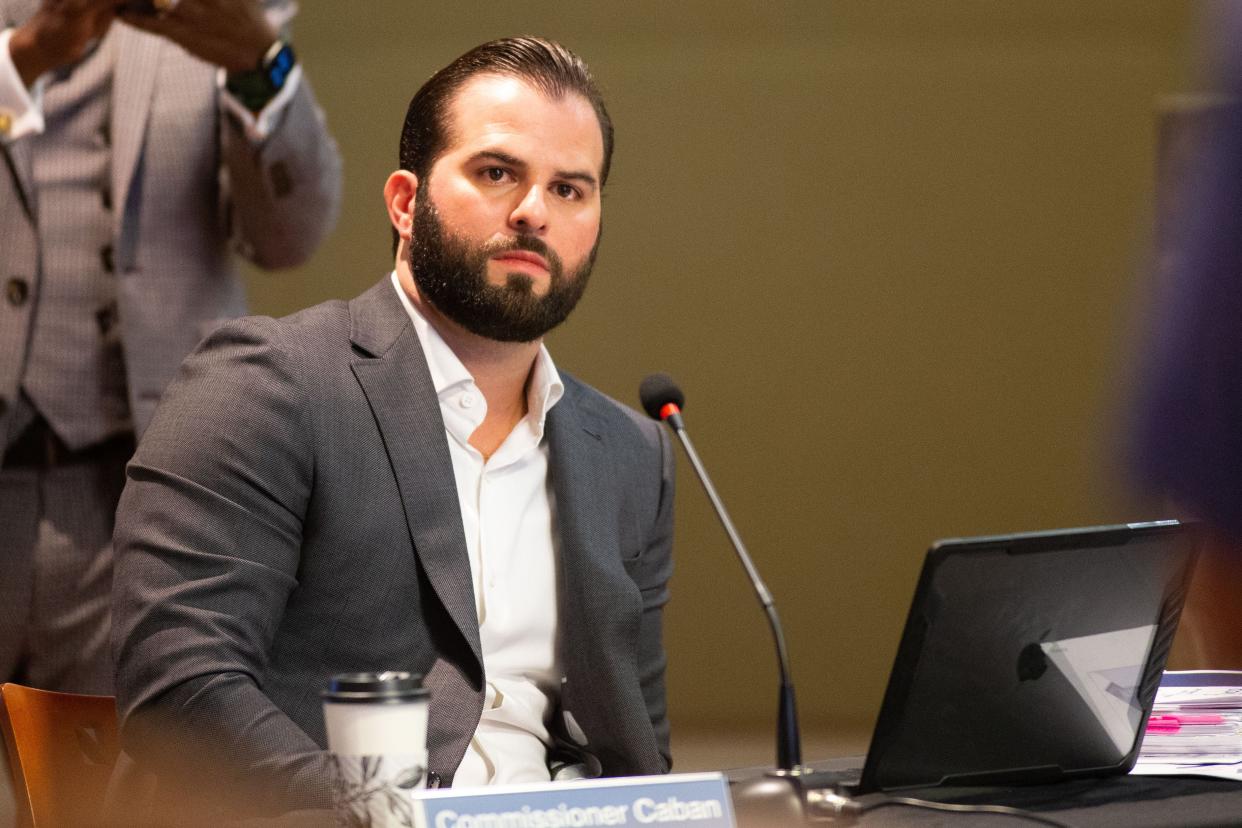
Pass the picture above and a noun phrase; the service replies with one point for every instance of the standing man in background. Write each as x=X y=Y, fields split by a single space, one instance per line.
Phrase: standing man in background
x=142 y=144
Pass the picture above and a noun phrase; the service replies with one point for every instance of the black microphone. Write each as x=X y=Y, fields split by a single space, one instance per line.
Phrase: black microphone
x=780 y=792
x=662 y=398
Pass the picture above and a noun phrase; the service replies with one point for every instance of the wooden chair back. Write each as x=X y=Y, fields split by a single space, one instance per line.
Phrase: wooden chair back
x=62 y=748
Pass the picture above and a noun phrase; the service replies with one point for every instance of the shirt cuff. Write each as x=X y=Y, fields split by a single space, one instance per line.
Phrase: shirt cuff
x=258 y=126
x=21 y=110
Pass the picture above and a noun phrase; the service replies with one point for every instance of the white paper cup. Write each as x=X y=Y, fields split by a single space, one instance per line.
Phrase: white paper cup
x=377 y=733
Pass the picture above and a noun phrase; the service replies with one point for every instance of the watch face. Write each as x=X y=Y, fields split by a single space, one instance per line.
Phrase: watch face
x=281 y=65
x=255 y=88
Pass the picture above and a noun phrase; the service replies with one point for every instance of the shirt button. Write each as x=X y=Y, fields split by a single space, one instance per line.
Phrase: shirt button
x=17 y=290
x=105 y=258
x=106 y=197
x=466 y=400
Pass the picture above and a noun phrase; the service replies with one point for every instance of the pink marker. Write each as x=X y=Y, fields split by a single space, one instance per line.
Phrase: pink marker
x=1174 y=722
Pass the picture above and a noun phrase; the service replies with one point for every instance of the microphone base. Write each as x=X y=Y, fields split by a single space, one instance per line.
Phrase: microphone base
x=779 y=798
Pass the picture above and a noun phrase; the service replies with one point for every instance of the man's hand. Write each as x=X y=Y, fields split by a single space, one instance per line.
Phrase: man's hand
x=58 y=34
x=233 y=34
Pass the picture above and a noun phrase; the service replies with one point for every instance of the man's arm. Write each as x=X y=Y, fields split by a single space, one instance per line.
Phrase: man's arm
x=57 y=34
x=654 y=591
x=207 y=541
x=284 y=179
x=285 y=193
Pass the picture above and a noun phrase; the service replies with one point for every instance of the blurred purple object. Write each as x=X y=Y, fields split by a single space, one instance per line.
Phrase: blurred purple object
x=1188 y=429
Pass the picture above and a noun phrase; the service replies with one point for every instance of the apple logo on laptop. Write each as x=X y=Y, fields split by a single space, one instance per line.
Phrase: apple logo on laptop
x=1032 y=662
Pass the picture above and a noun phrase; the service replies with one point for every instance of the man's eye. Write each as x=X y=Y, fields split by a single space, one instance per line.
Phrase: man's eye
x=495 y=174
x=567 y=191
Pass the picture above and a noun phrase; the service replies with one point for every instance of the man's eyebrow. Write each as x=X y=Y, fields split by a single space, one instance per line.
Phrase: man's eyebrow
x=497 y=155
x=513 y=161
x=584 y=177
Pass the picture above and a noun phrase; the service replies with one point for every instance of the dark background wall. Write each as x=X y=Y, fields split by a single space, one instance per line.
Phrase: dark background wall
x=893 y=251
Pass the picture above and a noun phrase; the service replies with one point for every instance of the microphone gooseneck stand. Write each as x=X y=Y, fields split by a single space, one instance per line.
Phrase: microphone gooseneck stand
x=789 y=794
x=778 y=797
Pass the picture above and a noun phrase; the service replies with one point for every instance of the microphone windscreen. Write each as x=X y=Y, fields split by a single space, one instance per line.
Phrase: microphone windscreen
x=657 y=391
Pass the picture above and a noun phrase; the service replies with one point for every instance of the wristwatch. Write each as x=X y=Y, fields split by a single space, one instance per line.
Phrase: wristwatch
x=257 y=86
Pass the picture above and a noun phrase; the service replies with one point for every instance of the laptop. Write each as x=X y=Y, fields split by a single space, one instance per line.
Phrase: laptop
x=1032 y=657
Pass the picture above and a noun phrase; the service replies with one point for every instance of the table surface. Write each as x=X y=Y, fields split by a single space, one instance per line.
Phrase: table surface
x=1106 y=802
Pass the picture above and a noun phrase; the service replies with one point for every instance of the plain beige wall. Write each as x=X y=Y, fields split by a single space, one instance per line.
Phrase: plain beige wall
x=892 y=251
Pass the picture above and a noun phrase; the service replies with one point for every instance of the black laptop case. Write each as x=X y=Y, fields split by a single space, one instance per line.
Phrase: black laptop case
x=1031 y=657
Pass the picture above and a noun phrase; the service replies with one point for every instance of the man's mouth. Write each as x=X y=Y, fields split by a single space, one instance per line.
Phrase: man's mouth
x=524 y=259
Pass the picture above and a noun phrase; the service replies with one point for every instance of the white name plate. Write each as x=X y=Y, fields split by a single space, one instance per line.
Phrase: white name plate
x=695 y=800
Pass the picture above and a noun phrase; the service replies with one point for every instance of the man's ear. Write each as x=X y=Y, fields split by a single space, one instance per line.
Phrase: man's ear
x=400 y=193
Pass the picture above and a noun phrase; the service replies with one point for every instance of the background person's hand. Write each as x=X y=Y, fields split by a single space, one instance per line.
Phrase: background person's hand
x=58 y=34
x=233 y=34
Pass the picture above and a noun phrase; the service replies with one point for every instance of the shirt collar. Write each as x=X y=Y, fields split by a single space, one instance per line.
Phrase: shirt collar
x=546 y=388
x=448 y=373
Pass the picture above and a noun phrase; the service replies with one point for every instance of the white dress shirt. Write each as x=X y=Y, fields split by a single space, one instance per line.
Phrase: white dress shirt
x=507 y=510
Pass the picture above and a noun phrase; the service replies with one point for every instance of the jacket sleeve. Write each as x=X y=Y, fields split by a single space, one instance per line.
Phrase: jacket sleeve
x=651 y=657
x=207 y=544
x=284 y=192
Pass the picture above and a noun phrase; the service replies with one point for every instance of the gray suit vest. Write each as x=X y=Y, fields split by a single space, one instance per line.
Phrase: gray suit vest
x=74 y=370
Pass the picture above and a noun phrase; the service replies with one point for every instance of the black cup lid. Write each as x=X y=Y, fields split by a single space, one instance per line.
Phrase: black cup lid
x=390 y=687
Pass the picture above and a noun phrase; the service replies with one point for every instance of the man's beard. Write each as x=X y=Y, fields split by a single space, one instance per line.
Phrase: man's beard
x=451 y=274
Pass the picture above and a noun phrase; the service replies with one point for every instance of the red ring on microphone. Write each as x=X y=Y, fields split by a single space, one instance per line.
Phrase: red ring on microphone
x=669 y=409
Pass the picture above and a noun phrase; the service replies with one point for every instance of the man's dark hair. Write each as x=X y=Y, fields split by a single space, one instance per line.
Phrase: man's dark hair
x=544 y=64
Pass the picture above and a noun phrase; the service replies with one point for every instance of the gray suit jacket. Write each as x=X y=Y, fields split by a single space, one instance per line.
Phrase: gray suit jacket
x=188 y=188
x=291 y=513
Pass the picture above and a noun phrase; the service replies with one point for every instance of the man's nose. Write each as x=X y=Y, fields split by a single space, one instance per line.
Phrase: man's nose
x=531 y=213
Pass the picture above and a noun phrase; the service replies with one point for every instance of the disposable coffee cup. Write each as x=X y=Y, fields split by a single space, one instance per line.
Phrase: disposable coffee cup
x=377 y=734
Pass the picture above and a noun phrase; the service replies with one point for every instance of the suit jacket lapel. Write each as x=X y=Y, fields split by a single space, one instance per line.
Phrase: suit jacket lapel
x=133 y=80
x=17 y=159
x=398 y=387
x=133 y=84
